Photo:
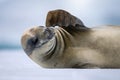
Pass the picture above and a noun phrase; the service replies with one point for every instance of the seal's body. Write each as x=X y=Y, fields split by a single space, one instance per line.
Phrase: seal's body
x=72 y=45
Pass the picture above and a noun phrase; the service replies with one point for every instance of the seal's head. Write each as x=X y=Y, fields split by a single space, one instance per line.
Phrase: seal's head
x=38 y=41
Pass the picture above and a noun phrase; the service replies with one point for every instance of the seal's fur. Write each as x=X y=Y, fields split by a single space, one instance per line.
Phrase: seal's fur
x=73 y=45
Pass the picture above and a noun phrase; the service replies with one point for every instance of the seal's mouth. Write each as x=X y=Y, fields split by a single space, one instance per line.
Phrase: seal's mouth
x=37 y=41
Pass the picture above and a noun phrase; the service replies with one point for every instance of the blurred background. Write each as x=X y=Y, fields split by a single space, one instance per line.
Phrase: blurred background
x=18 y=15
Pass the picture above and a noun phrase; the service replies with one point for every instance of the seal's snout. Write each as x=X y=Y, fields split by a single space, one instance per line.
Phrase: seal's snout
x=36 y=37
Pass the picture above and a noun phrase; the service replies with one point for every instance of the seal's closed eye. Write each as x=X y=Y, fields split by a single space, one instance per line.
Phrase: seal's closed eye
x=49 y=33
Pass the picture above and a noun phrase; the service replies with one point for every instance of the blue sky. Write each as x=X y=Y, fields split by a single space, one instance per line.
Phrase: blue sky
x=18 y=15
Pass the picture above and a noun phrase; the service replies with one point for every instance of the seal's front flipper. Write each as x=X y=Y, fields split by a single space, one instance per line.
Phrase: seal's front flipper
x=63 y=19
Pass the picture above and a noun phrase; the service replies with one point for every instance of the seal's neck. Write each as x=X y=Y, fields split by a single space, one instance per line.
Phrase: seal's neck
x=63 y=40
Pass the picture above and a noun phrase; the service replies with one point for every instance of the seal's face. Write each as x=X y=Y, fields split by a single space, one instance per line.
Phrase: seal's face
x=38 y=41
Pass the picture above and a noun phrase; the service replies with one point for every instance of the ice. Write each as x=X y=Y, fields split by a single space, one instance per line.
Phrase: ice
x=16 y=65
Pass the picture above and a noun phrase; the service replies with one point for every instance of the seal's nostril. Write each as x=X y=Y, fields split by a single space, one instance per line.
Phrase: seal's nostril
x=32 y=41
x=35 y=40
x=31 y=44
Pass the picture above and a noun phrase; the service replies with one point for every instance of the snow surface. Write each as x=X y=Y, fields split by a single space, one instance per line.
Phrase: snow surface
x=15 y=65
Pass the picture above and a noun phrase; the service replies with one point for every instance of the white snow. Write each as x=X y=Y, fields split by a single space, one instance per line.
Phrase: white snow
x=15 y=65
